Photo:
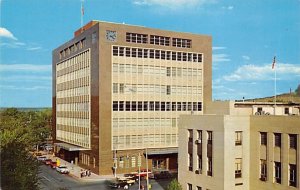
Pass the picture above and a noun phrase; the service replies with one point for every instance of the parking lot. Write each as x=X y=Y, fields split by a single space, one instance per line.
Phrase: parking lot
x=51 y=179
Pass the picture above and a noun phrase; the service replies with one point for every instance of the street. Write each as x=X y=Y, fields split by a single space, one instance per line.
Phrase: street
x=52 y=180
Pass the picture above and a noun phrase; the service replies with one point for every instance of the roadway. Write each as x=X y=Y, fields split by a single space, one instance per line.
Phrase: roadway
x=49 y=179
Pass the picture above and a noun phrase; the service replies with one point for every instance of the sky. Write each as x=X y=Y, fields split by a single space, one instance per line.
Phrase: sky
x=246 y=37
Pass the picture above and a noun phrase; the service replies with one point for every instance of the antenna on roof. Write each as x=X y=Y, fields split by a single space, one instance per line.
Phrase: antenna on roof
x=82 y=14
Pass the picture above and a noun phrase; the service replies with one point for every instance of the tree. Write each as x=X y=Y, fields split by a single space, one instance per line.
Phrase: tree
x=19 y=132
x=174 y=185
x=298 y=90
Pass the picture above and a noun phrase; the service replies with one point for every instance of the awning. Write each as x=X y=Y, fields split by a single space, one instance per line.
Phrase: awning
x=160 y=151
x=70 y=147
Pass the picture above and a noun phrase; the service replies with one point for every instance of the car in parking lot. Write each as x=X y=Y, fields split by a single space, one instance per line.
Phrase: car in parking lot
x=47 y=161
x=62 y=169
x=53 y=164
x=129 y=180
x=119 y=184
x=41 y=158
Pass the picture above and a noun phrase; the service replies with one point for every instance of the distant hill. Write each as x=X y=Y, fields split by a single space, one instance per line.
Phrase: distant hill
x=284 y=98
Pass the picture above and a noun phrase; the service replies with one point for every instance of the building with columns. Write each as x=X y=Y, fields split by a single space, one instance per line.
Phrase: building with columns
x=241 y=146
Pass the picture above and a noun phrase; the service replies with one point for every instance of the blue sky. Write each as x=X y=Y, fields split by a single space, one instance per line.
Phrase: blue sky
x=246 y=36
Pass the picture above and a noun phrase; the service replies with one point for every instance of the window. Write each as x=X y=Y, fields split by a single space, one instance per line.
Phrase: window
x=199 y=106
x=133 y=106
x=159 y=40
x=121 y=88
x=190 y=134
x=277 y=137
x=263 y=138
x=168 y=71
x=136 y=38
x=190 y=187
x=238 y=138
x=286 y=111
x=209 y=137
x=115 y=105
x=157 y=106
x=168 y=89
x=277 y=171
x=200 y=163
x=293 y=175
x=199 y=188
x=190 y=162
x=238 y=168
x=209 y=166
x=293 y=141
x=179 y=42
x=140 y=106
x=127 y=106
x=115 y=87
x=121 y=106
x=263 y=170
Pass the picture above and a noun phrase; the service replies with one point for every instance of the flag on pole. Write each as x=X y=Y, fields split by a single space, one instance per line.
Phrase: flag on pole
x=274 y=62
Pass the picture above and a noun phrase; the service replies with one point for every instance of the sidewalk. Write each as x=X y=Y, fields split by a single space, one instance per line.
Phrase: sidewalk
x=75 y=171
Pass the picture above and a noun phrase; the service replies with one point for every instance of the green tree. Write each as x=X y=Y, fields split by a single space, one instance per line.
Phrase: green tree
x=174 y=185
x=19 y=132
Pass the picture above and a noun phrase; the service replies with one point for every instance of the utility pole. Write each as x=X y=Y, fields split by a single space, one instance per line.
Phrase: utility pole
x=115 y=163
x=147 y=169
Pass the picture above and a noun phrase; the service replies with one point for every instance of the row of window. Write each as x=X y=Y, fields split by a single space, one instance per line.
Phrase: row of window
x=278 y=173
x=72 y=64
x=156 y=54
x=80 y=91
x=142 y=123
x=277 y=139
x=156 y=106
x=73 y=122
x=73 y=48
x=158 y=40
x=157 y=70
x=156 y=89
x=73 y=138
x=141 y=141
x=82 y=106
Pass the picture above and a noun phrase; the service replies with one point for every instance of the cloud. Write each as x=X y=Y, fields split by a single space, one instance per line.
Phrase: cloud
x=230 y=7
x=264 y=72
x=6 y=34
x=220 y=58
x=245 y=57
x=25 y=67
x=218 y=48
x=34 y=48
x=171 y=3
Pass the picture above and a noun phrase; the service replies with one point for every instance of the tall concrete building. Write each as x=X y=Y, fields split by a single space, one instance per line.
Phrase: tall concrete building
x=241 y=146
x=118 y=91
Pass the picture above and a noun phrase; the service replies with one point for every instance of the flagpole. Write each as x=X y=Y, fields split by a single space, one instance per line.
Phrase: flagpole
x=275 y=83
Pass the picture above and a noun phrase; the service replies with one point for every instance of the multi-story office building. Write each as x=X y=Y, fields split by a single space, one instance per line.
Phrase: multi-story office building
x=238 y=148
x=118 y=90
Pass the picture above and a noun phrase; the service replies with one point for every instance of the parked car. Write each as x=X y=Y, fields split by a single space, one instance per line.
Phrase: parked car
x=162 y=175
x=119 y=184
x=129 y=180
x=47 y=161
x=62 y=169
x=53 y=164
x=41 y=158
x=48 y=147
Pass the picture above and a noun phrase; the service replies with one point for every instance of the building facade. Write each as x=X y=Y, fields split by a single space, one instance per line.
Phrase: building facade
x=240 y=149
x=118 y=91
